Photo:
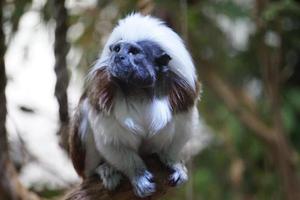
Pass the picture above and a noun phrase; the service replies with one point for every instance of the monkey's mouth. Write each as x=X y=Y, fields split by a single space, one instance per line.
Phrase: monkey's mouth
x=119 y=81
x=132 y=82
x=119 y=74
x=130 y=78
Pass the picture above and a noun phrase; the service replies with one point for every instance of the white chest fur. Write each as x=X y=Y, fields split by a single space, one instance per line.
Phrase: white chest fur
x=132 y=121
x=145 y=118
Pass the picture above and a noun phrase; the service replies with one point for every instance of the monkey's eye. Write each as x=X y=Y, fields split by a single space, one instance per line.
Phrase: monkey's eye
x=134 y=50
x=115 y=48
x=163 y=59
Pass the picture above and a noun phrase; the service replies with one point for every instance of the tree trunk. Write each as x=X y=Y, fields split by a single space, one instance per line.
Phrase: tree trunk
x=61 y=48
x=282 y=151
x=5 y=189
x=10 y=187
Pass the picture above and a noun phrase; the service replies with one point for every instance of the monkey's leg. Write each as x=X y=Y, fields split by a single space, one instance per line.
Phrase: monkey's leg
x=129 y=163
x=110 y=176
x=170 y=156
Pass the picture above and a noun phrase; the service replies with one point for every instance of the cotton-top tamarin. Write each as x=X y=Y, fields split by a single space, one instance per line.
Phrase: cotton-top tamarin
x=140 y=99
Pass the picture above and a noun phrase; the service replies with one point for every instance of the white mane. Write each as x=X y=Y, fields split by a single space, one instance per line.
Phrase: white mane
x=136 y=27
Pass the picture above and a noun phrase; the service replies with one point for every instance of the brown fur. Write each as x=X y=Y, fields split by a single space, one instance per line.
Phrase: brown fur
x=101 y=90
x=76 y=146
x=181 y=95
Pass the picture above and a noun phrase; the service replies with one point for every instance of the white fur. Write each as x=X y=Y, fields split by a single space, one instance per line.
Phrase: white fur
x=131 y=121
x=84 y=126
x=159 y=115
x=136 y=27
x=143 y=117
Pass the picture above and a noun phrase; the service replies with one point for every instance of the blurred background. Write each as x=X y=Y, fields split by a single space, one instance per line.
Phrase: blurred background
x=247 y=53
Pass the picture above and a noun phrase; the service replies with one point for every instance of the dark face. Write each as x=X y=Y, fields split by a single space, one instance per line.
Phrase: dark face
x=137 y=65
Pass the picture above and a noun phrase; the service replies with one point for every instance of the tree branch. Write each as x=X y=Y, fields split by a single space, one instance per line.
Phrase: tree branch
x=92 y=188
x=249 y=118
x=146 y=7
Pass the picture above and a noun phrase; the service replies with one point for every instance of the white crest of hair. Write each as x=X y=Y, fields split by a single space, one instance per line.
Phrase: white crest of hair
x=136 y=27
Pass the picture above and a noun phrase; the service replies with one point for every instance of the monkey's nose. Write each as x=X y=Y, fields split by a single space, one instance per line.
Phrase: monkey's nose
x=120 y=58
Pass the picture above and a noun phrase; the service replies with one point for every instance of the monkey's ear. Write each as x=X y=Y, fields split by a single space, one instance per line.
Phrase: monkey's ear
x=163 y=59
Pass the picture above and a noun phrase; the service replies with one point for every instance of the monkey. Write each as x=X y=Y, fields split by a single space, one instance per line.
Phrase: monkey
x=140 y=98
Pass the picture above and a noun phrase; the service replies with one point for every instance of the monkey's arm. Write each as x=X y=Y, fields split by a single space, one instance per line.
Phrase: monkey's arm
x=130 y=164
x=171 y=154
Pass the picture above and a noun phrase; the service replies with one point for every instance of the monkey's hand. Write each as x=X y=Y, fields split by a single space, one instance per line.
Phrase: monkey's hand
x=178 y=174
x=143 y=184
x=133 y=167
x=110 y=177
